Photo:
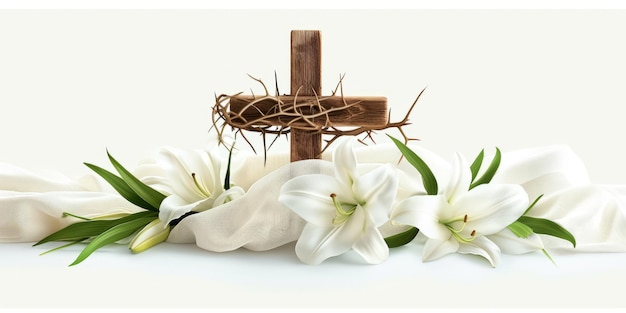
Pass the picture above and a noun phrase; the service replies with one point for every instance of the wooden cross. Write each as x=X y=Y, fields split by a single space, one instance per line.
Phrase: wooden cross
x=306 y=82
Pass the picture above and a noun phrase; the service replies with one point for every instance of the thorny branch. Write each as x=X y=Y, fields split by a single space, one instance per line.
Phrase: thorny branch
x=283 y=117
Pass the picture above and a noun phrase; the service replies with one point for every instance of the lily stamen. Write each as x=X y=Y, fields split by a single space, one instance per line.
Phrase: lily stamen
x=341 y=214
x=457 y=232
x=203 y=190
x=454 y=230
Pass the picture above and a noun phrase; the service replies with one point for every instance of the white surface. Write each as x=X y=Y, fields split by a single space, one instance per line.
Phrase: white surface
x=73 y=83
x=184 y=276
x=320 y=4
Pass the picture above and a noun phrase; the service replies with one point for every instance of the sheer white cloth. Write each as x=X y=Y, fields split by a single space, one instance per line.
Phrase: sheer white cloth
x=32 y=203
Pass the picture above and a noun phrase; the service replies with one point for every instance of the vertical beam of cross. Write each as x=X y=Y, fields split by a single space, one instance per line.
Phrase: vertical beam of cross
x=306 y=80
x=320 y=111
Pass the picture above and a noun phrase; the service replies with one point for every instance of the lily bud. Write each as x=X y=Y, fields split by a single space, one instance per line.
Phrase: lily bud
x=151 y=235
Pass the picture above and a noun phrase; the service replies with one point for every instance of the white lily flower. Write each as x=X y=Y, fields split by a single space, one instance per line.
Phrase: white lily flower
x=192 y=180
x=459 y=219
x=343 y=211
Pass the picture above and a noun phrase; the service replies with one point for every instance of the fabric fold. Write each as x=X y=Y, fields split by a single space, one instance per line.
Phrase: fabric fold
x=32 y=203
x=594 y=214
x=255 y=221
x=31 y=216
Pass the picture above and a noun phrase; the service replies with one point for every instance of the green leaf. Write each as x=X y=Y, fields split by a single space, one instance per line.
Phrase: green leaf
x=490 y=172
x=475 y=167
x=532 y=205
x=91 y=228
x=428 y=178
x=64 y=246
x=545 y=252
x=151 y=196
x=113 y=234
x=78 y=231
x=402 y=238
x=121 y=187
x=227 y=177
x=547 y=227
x=520 y=229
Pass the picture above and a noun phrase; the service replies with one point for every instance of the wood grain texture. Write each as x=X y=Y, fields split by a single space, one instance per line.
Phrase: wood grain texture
x=306 y=62
x=306 y=80
x=363 y=111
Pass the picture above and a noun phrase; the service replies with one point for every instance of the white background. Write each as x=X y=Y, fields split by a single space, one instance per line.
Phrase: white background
x=73 y=83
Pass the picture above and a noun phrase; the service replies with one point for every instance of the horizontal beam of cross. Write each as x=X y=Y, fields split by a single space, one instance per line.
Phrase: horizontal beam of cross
x=321 y=111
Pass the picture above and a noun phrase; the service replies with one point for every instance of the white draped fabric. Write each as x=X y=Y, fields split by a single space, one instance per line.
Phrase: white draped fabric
x=32 y=203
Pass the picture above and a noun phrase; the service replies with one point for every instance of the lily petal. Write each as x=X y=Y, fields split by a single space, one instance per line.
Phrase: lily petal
x=178 y=172
x=344 y=161
x=509 y=243
x=316 y=243
x=371 y=245
x=229 y=195
x=179 y=166
x=309 y=197
x=491 y=208
x=421 y=212
x=215 y=170
x=483 y=247
x=461 y=178
x=434 y=248
x=376 y=192
x=175 y=206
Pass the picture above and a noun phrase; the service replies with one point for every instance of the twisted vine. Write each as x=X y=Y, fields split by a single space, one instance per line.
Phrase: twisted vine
x=283 y=116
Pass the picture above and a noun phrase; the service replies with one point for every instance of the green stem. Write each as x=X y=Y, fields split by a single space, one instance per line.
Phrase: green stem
x=66 y=214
